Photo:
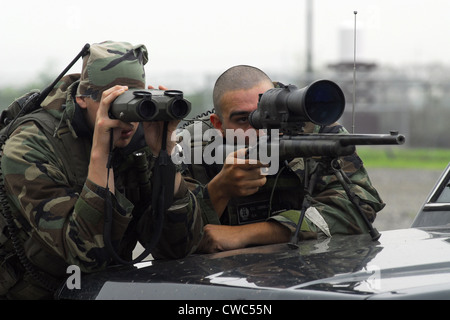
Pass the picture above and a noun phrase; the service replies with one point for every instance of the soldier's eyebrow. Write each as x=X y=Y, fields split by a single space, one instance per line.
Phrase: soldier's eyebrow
x=238 y=113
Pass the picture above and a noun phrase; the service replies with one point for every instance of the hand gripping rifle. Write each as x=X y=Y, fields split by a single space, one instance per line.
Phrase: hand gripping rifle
x=322 y=103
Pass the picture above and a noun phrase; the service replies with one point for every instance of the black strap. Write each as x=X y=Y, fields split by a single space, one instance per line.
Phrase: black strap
x=162 y=198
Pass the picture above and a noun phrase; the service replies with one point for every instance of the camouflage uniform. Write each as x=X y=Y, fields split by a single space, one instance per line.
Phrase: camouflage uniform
x=59 y=212
x=280 y=199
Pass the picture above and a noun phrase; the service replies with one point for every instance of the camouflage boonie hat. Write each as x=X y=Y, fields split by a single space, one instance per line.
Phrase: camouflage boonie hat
x=112 y=63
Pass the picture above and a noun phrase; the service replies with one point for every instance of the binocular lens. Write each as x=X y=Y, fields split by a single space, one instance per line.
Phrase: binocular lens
x=146 y=109
x=179 y=109
x=324 y=102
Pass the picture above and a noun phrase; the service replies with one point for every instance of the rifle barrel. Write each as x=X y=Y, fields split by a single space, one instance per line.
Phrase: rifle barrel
x=316 y=145
x=353 y=139
x=329 y=145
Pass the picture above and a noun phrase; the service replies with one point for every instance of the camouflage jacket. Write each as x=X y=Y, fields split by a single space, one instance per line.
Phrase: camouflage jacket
x=63 y=216
x=331 y=211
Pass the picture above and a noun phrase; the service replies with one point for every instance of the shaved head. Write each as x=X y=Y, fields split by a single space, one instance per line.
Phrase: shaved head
x=241 y=77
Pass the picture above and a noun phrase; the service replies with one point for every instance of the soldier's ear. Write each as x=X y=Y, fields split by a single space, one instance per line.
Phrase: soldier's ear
x=216 y=122
x=81 y=102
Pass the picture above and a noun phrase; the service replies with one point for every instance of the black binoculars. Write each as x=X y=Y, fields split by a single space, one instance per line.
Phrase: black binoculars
x=138 y=105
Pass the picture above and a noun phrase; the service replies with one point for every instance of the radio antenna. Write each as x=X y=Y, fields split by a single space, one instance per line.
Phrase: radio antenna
x=354 y=73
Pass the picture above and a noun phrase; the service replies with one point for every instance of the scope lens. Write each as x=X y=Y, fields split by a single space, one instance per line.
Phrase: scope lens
x=146 y=109
x=324 y=102
x=179 y=109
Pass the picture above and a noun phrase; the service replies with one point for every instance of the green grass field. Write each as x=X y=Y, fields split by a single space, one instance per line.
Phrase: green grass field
x=401 y=157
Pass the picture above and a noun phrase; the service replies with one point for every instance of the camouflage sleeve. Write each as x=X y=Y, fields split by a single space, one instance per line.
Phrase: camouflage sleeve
x=332 y=202
x=66 y=223
x=200 y=191
x=182 y=229
x=340 y=214
x=334 y=212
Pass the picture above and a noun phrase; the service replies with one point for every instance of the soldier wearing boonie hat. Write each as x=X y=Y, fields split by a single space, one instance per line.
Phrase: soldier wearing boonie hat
x=110 y=63
x=54 y=170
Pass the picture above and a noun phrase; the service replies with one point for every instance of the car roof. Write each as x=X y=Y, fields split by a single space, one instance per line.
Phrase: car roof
x=412 y=263
x=341 y=267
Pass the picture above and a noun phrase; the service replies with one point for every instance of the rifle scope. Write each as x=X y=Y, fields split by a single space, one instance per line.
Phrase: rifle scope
x=137 y=105
x=322 y=102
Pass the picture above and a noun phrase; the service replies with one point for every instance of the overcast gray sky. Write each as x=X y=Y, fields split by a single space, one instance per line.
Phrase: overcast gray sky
x=207 y=37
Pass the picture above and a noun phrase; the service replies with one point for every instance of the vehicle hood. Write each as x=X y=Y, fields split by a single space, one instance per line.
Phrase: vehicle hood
x=402 y=264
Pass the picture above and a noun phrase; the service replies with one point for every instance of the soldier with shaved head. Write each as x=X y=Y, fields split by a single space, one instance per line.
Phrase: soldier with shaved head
x=243 y=206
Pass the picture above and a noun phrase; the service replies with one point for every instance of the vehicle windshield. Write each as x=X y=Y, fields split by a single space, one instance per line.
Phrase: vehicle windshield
x=444 y=197
x=436 y=209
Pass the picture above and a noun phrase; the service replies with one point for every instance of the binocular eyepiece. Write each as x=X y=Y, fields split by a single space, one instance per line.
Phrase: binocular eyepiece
x=138 y=105
x=322 y=102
